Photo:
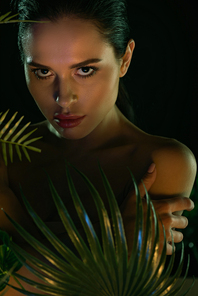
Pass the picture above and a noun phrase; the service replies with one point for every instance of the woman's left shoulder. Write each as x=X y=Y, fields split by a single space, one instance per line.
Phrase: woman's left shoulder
x=174 y=153
x=176 y=166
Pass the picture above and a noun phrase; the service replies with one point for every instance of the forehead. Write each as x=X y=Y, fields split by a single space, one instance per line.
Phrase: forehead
x=68 y=37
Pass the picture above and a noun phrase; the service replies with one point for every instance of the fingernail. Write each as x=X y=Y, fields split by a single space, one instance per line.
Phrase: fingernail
x=151 y=168
x=192 y=205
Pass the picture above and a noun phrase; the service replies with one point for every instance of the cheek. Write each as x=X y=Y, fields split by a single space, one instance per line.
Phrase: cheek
x=105 y=90
x=37 y=91
x=110 y=83
x=40 y=96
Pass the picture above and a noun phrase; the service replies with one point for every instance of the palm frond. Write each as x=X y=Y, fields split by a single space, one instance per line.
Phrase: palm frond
x=7 y=19
x=8 y=261
x=101 y=269
x=8 y=139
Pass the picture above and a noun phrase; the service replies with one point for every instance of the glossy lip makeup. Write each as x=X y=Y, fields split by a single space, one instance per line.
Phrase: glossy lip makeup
x=68 y=121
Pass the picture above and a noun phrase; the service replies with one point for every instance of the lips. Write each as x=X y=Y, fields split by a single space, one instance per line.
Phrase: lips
x=65 y=117
x=68 y=121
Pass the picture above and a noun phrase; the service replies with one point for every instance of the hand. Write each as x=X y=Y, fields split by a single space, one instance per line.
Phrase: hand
x=166 y=208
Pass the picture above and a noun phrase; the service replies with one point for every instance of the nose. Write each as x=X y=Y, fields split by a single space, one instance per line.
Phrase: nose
x=66 y=102
x=65 y=96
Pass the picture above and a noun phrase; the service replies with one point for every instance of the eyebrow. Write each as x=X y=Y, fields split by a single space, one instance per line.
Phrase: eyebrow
x=81 y=64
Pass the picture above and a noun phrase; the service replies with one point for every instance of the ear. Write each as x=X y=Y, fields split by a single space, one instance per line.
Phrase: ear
x=126 y=59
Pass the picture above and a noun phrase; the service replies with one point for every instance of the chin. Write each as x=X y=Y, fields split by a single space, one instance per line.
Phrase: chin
x=72 y=136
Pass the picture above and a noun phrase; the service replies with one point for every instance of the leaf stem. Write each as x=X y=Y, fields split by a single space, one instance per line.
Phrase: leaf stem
x=22 y=145
x=17 y=281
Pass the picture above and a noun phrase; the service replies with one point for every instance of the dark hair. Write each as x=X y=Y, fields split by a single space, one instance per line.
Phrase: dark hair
x=109 y=17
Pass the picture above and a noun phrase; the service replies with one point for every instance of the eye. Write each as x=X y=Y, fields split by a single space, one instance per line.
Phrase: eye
x=42 y=73
x=85 y=72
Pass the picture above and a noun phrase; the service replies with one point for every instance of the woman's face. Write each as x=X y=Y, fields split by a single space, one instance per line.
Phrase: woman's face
x=72 y=74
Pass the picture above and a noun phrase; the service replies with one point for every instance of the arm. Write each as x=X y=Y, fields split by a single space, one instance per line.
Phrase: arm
x=176 y=171
x=169 y=186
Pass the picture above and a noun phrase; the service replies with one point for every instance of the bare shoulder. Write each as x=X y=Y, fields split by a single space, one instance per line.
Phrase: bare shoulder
x=175 y=163
x=176 y=167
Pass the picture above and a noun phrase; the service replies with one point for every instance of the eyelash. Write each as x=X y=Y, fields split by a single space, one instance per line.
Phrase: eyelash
x=85 y=76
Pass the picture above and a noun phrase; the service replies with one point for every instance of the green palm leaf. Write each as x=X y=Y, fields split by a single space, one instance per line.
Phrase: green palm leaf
x=101 y=269
x=8 y=261
x=109 y=246
x=109 y=262
x=6 y=19
x=8 y=139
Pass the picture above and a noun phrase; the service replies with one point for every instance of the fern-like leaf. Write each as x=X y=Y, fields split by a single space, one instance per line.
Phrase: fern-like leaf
x=8 y=138
x=6 y=19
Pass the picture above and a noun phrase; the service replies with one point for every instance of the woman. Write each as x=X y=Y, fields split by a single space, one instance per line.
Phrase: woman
x=73 y=65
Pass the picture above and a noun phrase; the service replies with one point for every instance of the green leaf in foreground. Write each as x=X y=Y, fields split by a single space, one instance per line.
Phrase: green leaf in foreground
x=8 y=260
x=102 y=268
x=8 y=138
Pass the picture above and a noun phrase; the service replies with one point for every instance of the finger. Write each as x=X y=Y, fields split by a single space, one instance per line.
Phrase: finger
x=147 y=180
x=184 y=203
x=169 y=249
x=174 y=204
x=180 y=222
x=191 y=205
x=177 y=237
x=173 y=221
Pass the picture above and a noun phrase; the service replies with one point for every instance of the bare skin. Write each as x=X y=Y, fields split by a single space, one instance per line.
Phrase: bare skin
x=104 y=135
